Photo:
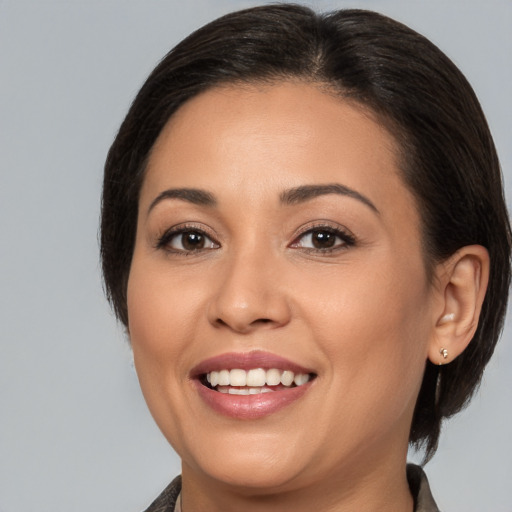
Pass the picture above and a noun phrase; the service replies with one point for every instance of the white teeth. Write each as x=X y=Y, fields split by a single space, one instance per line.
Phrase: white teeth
x=238 y=391
x=243 y=391
x=224 y=378
x=256 y=377
x=254 y=380
x=238 y=378
x=287 y=378
x=214 y=378
x=273 y=377
x=300 y=379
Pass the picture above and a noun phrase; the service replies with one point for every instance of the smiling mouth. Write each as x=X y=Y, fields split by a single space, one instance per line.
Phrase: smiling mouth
x=255 y=381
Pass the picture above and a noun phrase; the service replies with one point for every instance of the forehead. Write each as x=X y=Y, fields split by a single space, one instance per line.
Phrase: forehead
x=257 y=139
x=289 y=113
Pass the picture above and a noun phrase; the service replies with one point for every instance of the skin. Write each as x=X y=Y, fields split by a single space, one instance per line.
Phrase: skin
x=363 y=316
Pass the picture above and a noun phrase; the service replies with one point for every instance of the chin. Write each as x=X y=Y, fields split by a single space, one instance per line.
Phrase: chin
x=267 y=467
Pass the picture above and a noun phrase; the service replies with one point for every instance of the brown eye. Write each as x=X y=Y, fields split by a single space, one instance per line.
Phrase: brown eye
x=187 y=241
x=324 y=239
x=191 y=240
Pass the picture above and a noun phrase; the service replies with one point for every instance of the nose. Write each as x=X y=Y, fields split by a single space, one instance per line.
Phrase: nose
x=250 y=295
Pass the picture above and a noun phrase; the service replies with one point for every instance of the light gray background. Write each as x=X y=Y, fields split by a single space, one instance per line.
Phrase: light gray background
x=74 y=431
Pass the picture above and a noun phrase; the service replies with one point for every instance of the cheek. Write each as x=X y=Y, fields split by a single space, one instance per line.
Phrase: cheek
x=159 y=330
x=373 y=328
x=383 y=300
x=162 y=331
x=159 y=310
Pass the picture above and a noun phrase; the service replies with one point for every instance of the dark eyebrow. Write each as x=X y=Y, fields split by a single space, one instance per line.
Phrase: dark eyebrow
x=307 y=192
x=191 y=195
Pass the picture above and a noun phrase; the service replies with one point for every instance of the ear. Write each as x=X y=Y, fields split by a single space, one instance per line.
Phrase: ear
x=462 y=281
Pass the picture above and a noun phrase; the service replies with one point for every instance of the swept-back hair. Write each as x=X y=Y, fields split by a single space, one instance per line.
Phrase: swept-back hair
x=447 y=155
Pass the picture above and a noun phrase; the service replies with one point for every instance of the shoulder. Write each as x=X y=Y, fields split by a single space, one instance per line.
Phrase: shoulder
x=420 y=489
x=167 y=500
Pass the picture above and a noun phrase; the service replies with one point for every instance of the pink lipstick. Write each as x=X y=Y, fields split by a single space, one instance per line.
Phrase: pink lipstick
x=250 y=385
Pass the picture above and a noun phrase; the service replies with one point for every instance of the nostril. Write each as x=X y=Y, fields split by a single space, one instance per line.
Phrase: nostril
x=243 y=326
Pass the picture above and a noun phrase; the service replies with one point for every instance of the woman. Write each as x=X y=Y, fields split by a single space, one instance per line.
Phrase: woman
x=304 y=232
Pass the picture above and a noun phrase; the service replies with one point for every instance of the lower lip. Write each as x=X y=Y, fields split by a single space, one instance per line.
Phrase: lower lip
x=250 y=407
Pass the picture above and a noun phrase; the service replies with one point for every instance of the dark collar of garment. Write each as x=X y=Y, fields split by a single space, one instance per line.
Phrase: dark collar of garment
x=420 y=490
x=418 y=483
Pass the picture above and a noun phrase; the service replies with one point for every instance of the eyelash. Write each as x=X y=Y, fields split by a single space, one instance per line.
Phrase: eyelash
x=346 y=238
x=164 y=241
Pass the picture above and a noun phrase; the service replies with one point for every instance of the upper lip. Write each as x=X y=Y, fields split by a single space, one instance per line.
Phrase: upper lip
x=246 y=361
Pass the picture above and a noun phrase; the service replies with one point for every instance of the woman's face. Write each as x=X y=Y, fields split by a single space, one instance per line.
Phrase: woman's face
x=275 y=237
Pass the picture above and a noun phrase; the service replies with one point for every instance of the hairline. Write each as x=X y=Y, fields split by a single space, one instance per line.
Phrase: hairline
x=399 y=136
